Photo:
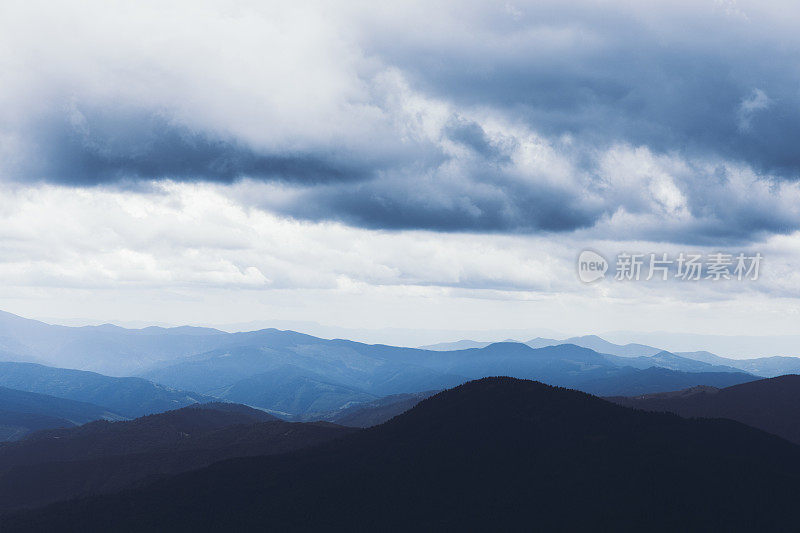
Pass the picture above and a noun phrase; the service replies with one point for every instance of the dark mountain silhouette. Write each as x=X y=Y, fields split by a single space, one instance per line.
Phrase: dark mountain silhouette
x=130 y=397
x=22 y=412
x=494 y=454
x=102 y=457
x=769 y=404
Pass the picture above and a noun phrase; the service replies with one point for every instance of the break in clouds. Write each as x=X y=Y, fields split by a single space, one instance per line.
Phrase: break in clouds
x=673 y=122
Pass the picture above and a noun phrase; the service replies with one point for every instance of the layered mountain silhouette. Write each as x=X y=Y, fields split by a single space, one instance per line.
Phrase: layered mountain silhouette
x=492 y=454
x=23 y=412
x=101 y=457
x=129 y=396
x=593 y=342
x=302 y=377
x=769 y=404
x=630 y=382
x=117 y=351
x=651 y=356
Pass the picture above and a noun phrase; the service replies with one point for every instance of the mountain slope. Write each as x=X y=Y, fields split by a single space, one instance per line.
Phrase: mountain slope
x=772 y=405
x=373 y=369
x=630 y=382
x=464 y=344
x=378 y=411
x=107 y=348
x=495 y=454
x=593 y=342
x=762 y=366
x=130 y=397
x=23 y=412
x=670 y=361
x=292 y=391
x=103 y=457
x=331 y=374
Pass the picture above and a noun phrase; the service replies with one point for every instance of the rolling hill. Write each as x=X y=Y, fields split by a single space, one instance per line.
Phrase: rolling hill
x=494 y=454
x=772 y=405
x=23 y=412
x=130 y=397
x=102 y=457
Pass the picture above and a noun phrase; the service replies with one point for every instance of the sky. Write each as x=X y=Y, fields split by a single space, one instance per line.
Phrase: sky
x=422 y=166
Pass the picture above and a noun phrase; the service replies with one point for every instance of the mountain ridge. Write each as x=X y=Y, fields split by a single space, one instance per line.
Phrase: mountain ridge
x=491 y=453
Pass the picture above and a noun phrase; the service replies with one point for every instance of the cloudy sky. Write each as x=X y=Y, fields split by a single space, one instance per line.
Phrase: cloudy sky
x=434 y=165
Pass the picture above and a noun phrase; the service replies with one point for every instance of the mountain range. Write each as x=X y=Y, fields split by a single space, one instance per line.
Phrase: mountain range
x=647 y=355
x=305 y=377
x=299 y=377
x=492 y=454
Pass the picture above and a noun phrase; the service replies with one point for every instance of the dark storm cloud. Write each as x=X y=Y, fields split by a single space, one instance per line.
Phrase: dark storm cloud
x=675 y=88
x=388 y=204
x=107 y=146
x=697 y=87
x=472 y=135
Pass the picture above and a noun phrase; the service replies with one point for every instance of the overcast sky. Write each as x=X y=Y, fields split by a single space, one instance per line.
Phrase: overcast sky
x=433 y=165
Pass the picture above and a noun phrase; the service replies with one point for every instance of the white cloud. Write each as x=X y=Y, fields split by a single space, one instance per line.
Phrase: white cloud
x=331 y=79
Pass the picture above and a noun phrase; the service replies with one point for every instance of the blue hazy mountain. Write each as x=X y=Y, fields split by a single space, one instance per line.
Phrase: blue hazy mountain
x=598 y=344
x=593 y=342
x=762 y=366
x=375 y=369
x=630 y=381
x=301 y=376
x=118 y=351
x=464 y=344
x=24 y=412
x=107 y=349
x=670 y=361
x=769 y=366
x=130 y=397
x=291 y=391
x=492 y=455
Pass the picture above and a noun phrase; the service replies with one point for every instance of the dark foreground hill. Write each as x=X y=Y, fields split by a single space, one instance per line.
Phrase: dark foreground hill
x=102 y=457
x=769 y=404
x=494 y=454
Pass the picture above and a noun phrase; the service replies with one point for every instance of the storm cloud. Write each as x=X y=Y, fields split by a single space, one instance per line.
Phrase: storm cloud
x=673 y=121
